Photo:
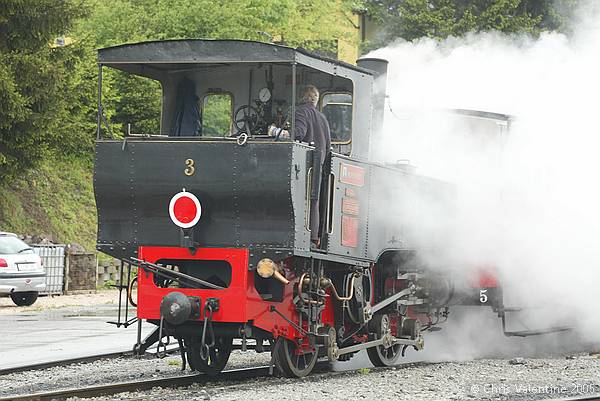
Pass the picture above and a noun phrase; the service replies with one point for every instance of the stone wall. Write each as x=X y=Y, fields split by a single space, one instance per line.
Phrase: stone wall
x=108 y=272
x=82 y=272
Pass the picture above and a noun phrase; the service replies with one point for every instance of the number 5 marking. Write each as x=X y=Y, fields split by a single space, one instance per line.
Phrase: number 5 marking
x=483 y=298
x=190 y=169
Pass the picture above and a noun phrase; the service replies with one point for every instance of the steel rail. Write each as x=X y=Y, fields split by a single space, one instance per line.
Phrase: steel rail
x=141 y=385
x=81 y=359
x=97 y=357
x=64 y=362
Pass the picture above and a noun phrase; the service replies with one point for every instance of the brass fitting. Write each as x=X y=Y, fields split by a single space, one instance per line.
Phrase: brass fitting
x=267 y=268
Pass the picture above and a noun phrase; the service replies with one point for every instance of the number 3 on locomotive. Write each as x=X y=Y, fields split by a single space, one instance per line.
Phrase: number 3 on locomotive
x=190 y=169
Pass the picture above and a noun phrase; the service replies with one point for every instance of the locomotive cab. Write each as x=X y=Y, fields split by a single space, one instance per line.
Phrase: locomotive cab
x=223 y=97
x=214 y=89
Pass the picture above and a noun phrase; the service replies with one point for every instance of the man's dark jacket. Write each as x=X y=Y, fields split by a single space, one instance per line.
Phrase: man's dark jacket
x=312 y=126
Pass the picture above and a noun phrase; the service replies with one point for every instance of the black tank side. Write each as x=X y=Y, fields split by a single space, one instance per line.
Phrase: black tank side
x=244 y=192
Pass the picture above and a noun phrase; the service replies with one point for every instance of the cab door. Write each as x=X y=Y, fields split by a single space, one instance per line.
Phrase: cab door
x=347 y=207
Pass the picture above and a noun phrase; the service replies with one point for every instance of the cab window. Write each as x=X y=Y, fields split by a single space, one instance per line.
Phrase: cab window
x=337 y=107
x=217 y=114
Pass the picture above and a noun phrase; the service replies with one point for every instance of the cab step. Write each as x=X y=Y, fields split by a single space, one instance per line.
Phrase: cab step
x=528 y=332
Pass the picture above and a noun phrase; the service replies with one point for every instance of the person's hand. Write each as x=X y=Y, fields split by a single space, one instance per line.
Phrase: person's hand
x=278 y=133
x=273 y=130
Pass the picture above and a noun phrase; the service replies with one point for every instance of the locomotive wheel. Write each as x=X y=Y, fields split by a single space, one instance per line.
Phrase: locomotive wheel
x=217 y=356
x=381 y=355
x=292 y=363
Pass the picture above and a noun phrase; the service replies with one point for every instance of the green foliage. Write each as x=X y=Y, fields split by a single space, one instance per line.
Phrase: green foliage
x=412 y=19
x=34 y=94
x=138 y=104
x=55 y=199
x=216 y=115
x=78 y=127
x=30 y=25
x=121 y=21
x=108 y=285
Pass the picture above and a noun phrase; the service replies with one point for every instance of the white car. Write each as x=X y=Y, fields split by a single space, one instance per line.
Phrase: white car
x=22 y=275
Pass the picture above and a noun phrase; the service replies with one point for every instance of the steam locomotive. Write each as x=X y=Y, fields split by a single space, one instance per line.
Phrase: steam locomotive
x=215 y=213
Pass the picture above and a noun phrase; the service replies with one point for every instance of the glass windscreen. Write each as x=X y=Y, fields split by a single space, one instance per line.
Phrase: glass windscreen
x=11 y=245
x=337 y=107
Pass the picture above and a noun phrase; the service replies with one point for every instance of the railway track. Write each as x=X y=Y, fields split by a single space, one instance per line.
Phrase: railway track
x=65 y=362
x=88 y=359
x=70 y=361
x=234 y=375
x=141 y=385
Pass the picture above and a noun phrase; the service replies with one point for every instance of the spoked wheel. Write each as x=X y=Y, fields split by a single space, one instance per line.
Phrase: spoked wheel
x=386 y=354
x=246 y=119
x=292 y=361
x=217 y=355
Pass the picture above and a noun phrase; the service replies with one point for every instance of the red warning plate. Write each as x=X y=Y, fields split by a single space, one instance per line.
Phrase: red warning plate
x=349 y=231
x=350 y=206
x=353 y=175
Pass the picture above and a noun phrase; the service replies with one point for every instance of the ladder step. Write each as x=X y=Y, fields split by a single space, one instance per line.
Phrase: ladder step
x=527 y=333
x=120 y=286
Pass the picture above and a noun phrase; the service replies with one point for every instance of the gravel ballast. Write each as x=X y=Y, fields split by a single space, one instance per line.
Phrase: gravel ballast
x=491 y=379
x=110 y=371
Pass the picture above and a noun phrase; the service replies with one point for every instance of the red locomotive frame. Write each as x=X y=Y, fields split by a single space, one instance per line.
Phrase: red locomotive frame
x=239 y=302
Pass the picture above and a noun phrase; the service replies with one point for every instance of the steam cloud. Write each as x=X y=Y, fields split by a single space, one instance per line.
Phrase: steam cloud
x=528 y=201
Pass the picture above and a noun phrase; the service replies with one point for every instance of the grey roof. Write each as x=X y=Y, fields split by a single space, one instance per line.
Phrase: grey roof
x=203 y=51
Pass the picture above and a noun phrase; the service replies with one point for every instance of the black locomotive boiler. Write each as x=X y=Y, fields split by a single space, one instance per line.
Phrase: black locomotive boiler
x=217 y=216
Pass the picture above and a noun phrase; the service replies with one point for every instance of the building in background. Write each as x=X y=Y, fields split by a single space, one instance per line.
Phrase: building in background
x=358 y=29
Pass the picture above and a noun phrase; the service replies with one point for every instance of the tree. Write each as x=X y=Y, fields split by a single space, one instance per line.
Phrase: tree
x=34 y=79
x=412 y=19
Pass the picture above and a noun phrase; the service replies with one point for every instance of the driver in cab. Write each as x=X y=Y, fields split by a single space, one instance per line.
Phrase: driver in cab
x=310 y=126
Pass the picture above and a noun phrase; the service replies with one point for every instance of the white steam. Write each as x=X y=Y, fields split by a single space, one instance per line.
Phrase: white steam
x=529 y=201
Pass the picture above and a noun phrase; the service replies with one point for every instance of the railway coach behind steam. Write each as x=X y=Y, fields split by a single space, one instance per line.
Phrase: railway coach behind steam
x=218 y=222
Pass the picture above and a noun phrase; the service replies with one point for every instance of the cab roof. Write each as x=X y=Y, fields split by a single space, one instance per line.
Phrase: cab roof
x=168 y=54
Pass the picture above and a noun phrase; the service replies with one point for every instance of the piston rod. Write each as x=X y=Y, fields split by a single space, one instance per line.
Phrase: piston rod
x=380 y=305
x=385 y=339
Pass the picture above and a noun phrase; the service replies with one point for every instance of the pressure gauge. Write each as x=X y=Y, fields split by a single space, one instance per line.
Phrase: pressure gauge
x=264 y=95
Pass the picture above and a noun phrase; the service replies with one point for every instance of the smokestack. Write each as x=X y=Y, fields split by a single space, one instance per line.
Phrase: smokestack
x=379 y=67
